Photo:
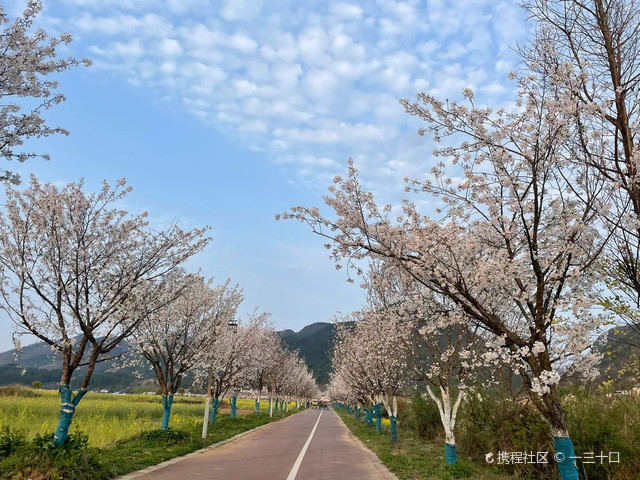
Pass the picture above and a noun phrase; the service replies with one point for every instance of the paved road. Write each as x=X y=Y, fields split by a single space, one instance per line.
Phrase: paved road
x=284 y=450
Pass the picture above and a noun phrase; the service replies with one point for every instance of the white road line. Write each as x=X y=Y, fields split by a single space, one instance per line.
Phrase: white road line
x=296 y=466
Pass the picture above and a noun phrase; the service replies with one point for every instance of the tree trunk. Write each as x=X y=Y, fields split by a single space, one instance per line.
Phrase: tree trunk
x=448 y=414
x=564 y=451
x=215 y=404
x=233 y=407
x=257 y=406
x=394 y=429
x=378 y=411
x=205 y=420
x=67 y=409
x=205 y=423
x=557 y=416
x=167 y=402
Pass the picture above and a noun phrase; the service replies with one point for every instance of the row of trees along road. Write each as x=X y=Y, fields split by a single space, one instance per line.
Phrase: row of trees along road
x=538 y=223
x=83 y=275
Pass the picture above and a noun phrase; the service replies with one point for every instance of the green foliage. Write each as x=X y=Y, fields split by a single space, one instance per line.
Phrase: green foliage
x=37 y=384
x=494 y=422
x=170 y=437
x=17 y=391
x=11 y=441
x=460 y=470
x=39 y=459
x=606 y=424
x=422 y=416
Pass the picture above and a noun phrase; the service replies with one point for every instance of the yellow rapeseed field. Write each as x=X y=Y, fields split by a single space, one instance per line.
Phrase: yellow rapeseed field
x=106 y=418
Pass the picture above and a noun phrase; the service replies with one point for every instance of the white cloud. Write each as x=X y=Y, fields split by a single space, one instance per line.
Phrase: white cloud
x=241 y=9
x=169 y=47
x=345 y=11
x=309 y=83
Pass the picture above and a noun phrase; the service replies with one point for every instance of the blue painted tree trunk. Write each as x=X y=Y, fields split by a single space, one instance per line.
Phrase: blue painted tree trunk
x=564 y=451
x=370 y=417
x=257 y=407
x=276 y=406
x=450 y=456
x=394 y=428
x=233 y=407
x=281 y=405
x=378 y=410
x=215 y=403
x=167 y=402
x=67 y=409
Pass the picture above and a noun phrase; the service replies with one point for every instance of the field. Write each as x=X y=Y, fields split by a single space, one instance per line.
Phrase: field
x=123 y=433
x=108 y=418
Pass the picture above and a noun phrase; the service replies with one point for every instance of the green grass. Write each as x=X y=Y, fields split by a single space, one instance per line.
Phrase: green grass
x=412 y=458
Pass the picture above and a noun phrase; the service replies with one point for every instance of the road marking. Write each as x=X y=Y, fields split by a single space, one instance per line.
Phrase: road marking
x=296 y=466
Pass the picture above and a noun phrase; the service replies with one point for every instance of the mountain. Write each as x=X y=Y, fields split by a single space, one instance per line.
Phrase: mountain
x=620 y=356
x=314 y=342
x=40 y=363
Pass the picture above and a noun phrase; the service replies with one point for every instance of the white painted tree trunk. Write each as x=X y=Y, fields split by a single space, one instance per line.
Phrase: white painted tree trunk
x=448 y=412
x=205 y=423
x=390 y=406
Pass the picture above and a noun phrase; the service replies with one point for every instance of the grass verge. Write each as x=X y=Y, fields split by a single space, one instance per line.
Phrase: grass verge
x=412 y=458
x=82 y=462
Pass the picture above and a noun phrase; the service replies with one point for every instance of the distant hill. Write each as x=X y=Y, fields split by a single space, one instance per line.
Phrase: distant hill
x=314 y=343
x=621 y=356
x=40 y=363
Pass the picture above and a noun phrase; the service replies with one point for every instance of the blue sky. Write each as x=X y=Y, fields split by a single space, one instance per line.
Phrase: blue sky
x=225 y=113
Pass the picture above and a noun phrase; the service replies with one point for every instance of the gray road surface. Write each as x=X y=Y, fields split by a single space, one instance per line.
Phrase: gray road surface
x=275 y=452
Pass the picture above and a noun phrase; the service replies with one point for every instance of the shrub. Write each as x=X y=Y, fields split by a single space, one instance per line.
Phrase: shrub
x=11 y=441
x=492 y=422
x=39 y=459
x=17 y=391
x=37 y=384
x=422 y=416
x=606 y=424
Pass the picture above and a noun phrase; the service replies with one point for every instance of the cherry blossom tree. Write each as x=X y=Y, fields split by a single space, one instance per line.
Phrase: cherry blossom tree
x=517 y=235
x=264 y=356
x=442 y=344
x=28 y=58
x=371 y=360
x=76 y=272
x=173 y=339
x=228 y=360
x=601 y=42
x=287 y=376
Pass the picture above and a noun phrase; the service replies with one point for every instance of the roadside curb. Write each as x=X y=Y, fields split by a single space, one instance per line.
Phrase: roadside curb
x=153 y=468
